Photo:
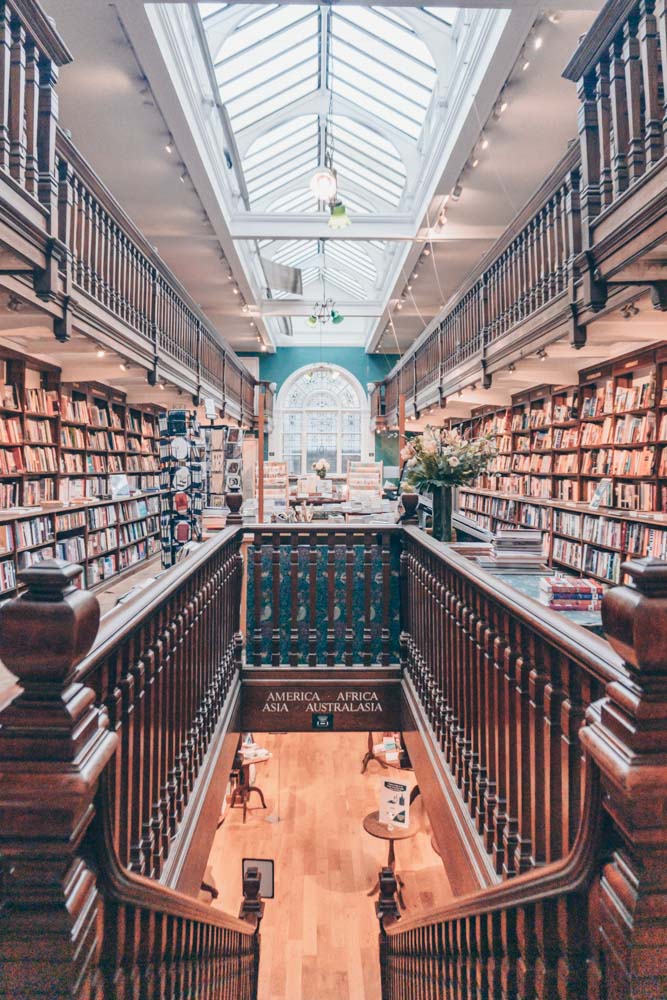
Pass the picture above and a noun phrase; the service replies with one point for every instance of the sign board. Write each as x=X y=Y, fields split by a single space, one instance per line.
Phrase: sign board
x=395 y=804
x=354 y=705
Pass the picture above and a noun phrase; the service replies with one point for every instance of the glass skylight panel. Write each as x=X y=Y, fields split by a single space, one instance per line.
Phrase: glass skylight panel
x=445 y=14
x=295 y=201
x=282 y=135
x=375 y=145
x=352 y=257
x=208 y=9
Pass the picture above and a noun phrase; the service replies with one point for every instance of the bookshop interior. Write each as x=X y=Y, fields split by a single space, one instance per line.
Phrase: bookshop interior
x=333 y=445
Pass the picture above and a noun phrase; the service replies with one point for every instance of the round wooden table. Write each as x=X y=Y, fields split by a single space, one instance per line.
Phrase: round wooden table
x=375 y=828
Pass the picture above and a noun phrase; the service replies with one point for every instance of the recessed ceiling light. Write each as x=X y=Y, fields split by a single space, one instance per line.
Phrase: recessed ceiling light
x=100 y=353
x=538 y=43
x=485 y=143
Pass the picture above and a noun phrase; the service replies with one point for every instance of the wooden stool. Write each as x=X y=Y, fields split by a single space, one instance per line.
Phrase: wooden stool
x=244 y=789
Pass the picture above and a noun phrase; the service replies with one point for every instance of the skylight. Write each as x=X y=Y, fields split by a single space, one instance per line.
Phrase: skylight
x=348 y=265
x=281 y=67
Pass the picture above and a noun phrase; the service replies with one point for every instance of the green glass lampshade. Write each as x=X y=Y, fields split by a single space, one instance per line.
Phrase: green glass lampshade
x=312 y=321
x=336 y=317
x=339 y=218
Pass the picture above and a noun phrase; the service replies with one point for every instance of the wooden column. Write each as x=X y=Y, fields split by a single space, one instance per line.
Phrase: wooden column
x=627 y=737
x=260 y=454
x=401 y=423
x=54 y=745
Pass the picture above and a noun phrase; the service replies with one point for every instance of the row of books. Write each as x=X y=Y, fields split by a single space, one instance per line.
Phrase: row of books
x=33 y=531
x=10 y=430
x=40 y=459
x=7 y=576
x=536 y=463
x=42 y=401
x=106 y=441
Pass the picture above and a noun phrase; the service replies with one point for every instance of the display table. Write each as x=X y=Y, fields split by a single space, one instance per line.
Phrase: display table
x=381 y=831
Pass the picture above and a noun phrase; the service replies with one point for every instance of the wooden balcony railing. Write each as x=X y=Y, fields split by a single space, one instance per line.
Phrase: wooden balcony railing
x=323 y=595
x=529 y=269
x=620 y=69
x=506 y=691
x=87 y=256
x=102 y=752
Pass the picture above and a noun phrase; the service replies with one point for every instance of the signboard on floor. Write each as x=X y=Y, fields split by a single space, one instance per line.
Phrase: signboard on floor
x=395 y=804
x=314 y=702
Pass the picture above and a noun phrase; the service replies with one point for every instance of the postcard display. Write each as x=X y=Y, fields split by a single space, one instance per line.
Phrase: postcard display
x=182 y=454
x=224 y=465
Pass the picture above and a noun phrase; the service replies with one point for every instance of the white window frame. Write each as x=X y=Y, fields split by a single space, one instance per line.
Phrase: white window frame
x=276 y=436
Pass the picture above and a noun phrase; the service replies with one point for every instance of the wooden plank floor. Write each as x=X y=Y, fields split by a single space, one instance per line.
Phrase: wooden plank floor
x=320 y=933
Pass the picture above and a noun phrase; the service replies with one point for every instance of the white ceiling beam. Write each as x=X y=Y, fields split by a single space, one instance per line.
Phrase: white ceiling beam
x=462 y=4
x=398 y=228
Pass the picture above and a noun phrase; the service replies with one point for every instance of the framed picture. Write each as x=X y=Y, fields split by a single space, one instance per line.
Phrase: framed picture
x=233 y=482
x=232 y=467
x=264 y=867
x=234 y=435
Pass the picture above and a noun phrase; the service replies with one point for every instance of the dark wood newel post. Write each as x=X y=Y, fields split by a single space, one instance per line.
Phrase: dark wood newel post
x=627 y=737
x=54 y=745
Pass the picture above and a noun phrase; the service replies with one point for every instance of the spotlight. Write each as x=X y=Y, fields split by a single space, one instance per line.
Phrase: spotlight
x=503 y=106
x=245 y=308
x=525 y=65
x=184 y=176
x=235 y=290
x=427 y=252
x=457 y=191
x=399 y=305
x=162 y=386
x=485 y=143
x=124 y=366
x=538 y=43
x=169 y=145
x=542 y=354
x=100 y=353
x=475 y=162
x=511 y=367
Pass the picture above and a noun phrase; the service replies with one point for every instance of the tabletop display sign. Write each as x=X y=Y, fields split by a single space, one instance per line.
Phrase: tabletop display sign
x=395 y=804
x=322 y=721
x=601 y=492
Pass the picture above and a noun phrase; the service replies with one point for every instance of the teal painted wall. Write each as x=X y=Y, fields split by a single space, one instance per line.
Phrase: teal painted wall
x=366 y=367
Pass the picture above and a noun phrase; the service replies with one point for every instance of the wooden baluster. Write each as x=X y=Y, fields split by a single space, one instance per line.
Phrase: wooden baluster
x=589 y=142
x=633 y=83
x=385 y=544
x=151 y=751
x=661 y=17
x=367 y=549
x=490 y=802
x=294 y=599
x=334 y=543
x=648 y=41
x=536 y=684
x=501 y=737
x=17 y=149
x=619 y=117
x=604 y=130
x=258 y=601
x=553 y=699
x=521 y=696
x=275 y=599
x=55 y=746
x=135 y=674
x=5 y=63
x=348 y=656
x=313 y=625
x=480 y=681
x=512 y=748
x=31 y=117
x=47 y=121
x=66 y=219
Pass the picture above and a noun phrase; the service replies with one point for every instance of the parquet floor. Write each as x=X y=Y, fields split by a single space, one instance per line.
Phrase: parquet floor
x=320 y=933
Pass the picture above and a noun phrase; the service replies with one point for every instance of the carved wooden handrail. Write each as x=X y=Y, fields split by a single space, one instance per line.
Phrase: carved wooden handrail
x=138 y=716
x=505 y=690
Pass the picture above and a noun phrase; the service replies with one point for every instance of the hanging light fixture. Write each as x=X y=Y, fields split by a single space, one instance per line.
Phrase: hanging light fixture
x=339 y=218
x=323 y=184
x=324 y=312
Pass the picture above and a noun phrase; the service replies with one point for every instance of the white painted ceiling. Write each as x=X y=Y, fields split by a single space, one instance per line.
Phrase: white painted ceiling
x=154 y=146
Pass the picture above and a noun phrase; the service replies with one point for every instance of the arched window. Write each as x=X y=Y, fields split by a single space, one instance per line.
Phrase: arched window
x=321 y=412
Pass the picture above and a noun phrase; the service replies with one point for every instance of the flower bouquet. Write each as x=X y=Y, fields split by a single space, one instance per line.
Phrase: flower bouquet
x=321 y=467
x=436 y=461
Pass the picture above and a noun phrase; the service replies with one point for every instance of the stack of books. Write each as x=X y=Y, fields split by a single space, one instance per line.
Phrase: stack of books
x=566 y=593
x=515 y=551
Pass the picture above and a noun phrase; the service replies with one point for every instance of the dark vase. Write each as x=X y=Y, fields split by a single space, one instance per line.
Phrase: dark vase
x=442 y=513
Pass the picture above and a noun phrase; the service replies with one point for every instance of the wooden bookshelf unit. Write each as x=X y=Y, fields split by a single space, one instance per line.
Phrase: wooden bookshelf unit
x=557 y=445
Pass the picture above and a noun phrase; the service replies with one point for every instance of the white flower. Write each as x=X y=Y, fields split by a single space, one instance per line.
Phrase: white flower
x=453 y=461
x=430 y=447
x=407 y=452
x=411 y=462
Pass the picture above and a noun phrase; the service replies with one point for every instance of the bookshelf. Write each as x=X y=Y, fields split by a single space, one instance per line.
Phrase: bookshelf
x=606 y=433
x=105 y=537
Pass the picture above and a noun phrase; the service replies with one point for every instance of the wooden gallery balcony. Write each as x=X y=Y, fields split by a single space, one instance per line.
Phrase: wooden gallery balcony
x=70 y=252
x=539 y=749
x=590 y=239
